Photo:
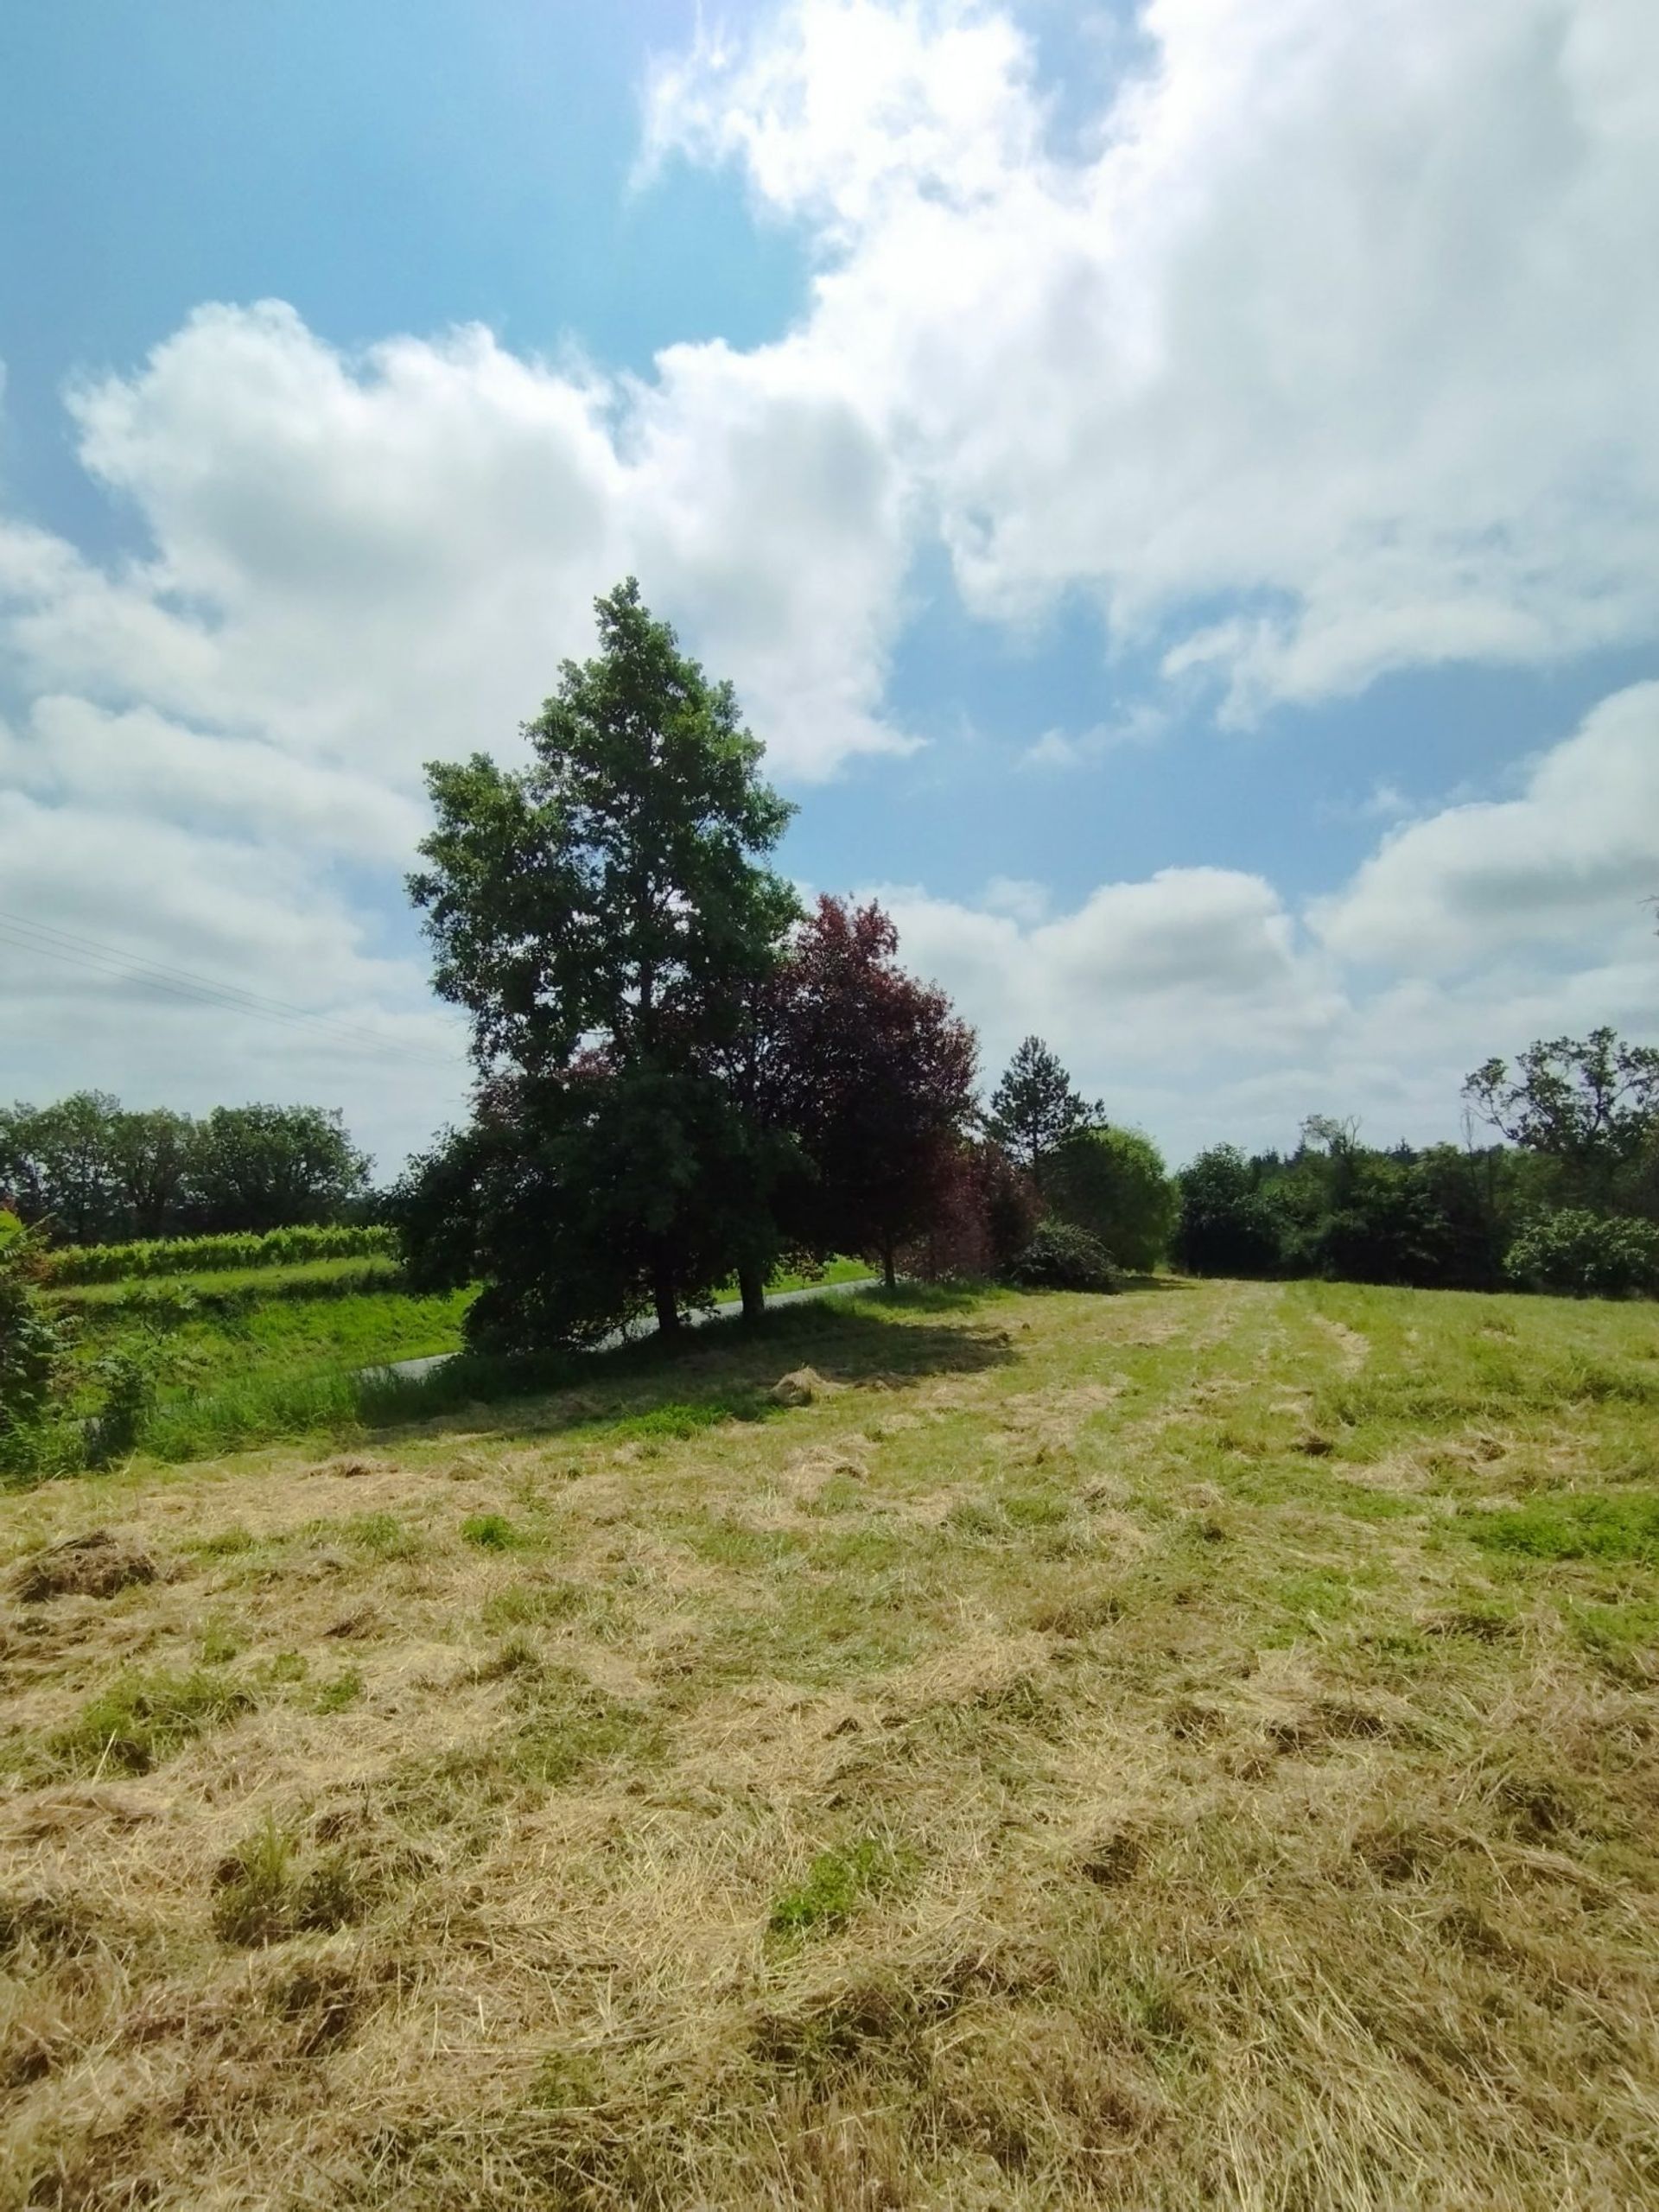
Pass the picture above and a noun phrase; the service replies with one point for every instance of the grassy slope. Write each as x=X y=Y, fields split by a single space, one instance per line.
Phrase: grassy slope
x=284 y=1366
x=1192 y=1748
x=288 y=1364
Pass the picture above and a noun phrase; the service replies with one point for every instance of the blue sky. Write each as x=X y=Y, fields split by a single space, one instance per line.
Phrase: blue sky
x=1177 y=488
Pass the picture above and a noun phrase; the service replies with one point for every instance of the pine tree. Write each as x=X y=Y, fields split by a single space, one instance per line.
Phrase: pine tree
x=1034 y=1108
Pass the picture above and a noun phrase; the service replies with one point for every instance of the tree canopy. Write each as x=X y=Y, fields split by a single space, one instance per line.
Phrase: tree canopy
x=1113 y=1183
x=1591 y=1104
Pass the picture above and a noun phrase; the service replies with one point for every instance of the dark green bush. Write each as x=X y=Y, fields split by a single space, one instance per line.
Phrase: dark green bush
x=127 y=1385
x=1061 y=1256
x=1582 y=1255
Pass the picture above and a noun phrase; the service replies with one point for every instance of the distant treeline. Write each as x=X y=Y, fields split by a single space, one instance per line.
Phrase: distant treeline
x=89 y=1170
x=1569 y=1204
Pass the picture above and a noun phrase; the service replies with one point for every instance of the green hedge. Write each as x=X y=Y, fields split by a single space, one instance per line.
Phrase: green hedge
x=1584 y=1254
x=179 y=1255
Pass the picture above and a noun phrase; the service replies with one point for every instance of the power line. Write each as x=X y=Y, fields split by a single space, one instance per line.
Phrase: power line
x=123 y=966
x=120 y=965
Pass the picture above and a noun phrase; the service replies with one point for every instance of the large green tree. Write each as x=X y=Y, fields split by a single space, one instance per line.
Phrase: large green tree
x=91 y=1170
x=57 y=1164
x=606 y=916
x=1228 y=1223
x=1589 y=1105
x=1113 y=1183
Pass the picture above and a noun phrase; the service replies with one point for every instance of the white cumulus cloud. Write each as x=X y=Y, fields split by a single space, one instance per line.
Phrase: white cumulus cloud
x=1338 y=315
x=1566 y=863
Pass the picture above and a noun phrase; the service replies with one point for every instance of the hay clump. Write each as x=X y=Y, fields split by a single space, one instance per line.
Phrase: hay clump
x=95 y=1565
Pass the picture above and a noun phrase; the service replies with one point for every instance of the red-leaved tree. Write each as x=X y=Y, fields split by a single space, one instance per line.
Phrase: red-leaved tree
x=985 y=1209
x=876 y=1075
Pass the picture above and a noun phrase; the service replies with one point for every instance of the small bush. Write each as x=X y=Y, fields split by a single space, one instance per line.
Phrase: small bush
x=127 y=1378
x=1061 y=1256
x=1582 y=1255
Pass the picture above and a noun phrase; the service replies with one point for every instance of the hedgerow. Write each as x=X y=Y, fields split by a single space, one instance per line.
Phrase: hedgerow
x=174 y=1255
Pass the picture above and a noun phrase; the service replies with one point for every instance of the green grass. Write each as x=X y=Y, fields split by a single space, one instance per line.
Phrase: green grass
x=140 y=1720
x=837 y=1884
x=286 y=1366
x=267 y=1892
x=835 y=1271
x=164 y=1298
x=492 y=1532
x=1614 y=1527
x=338 y=1695
x=243 y=1358
x=568 y=1725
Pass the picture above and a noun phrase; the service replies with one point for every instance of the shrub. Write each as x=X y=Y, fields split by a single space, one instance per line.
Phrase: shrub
x=1585 y=1255
x=31 y=1351
x=127 y=1378
x=1061 y=1256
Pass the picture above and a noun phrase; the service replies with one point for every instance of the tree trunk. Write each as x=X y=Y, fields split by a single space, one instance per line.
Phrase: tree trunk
x=752 y=1282
x=662 y=1290
x=889 y=1274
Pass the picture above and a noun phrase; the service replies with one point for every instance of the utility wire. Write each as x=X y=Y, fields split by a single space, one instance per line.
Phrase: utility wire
x=119 y=965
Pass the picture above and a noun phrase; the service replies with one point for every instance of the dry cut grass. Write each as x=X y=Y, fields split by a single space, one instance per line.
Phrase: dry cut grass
x=1196 y=1747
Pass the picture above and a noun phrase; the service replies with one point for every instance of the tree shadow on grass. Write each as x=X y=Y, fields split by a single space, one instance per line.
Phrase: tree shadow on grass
x=723 y=1371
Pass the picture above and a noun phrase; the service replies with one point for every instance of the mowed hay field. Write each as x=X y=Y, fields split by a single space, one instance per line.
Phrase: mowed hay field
x=1197 y=1747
